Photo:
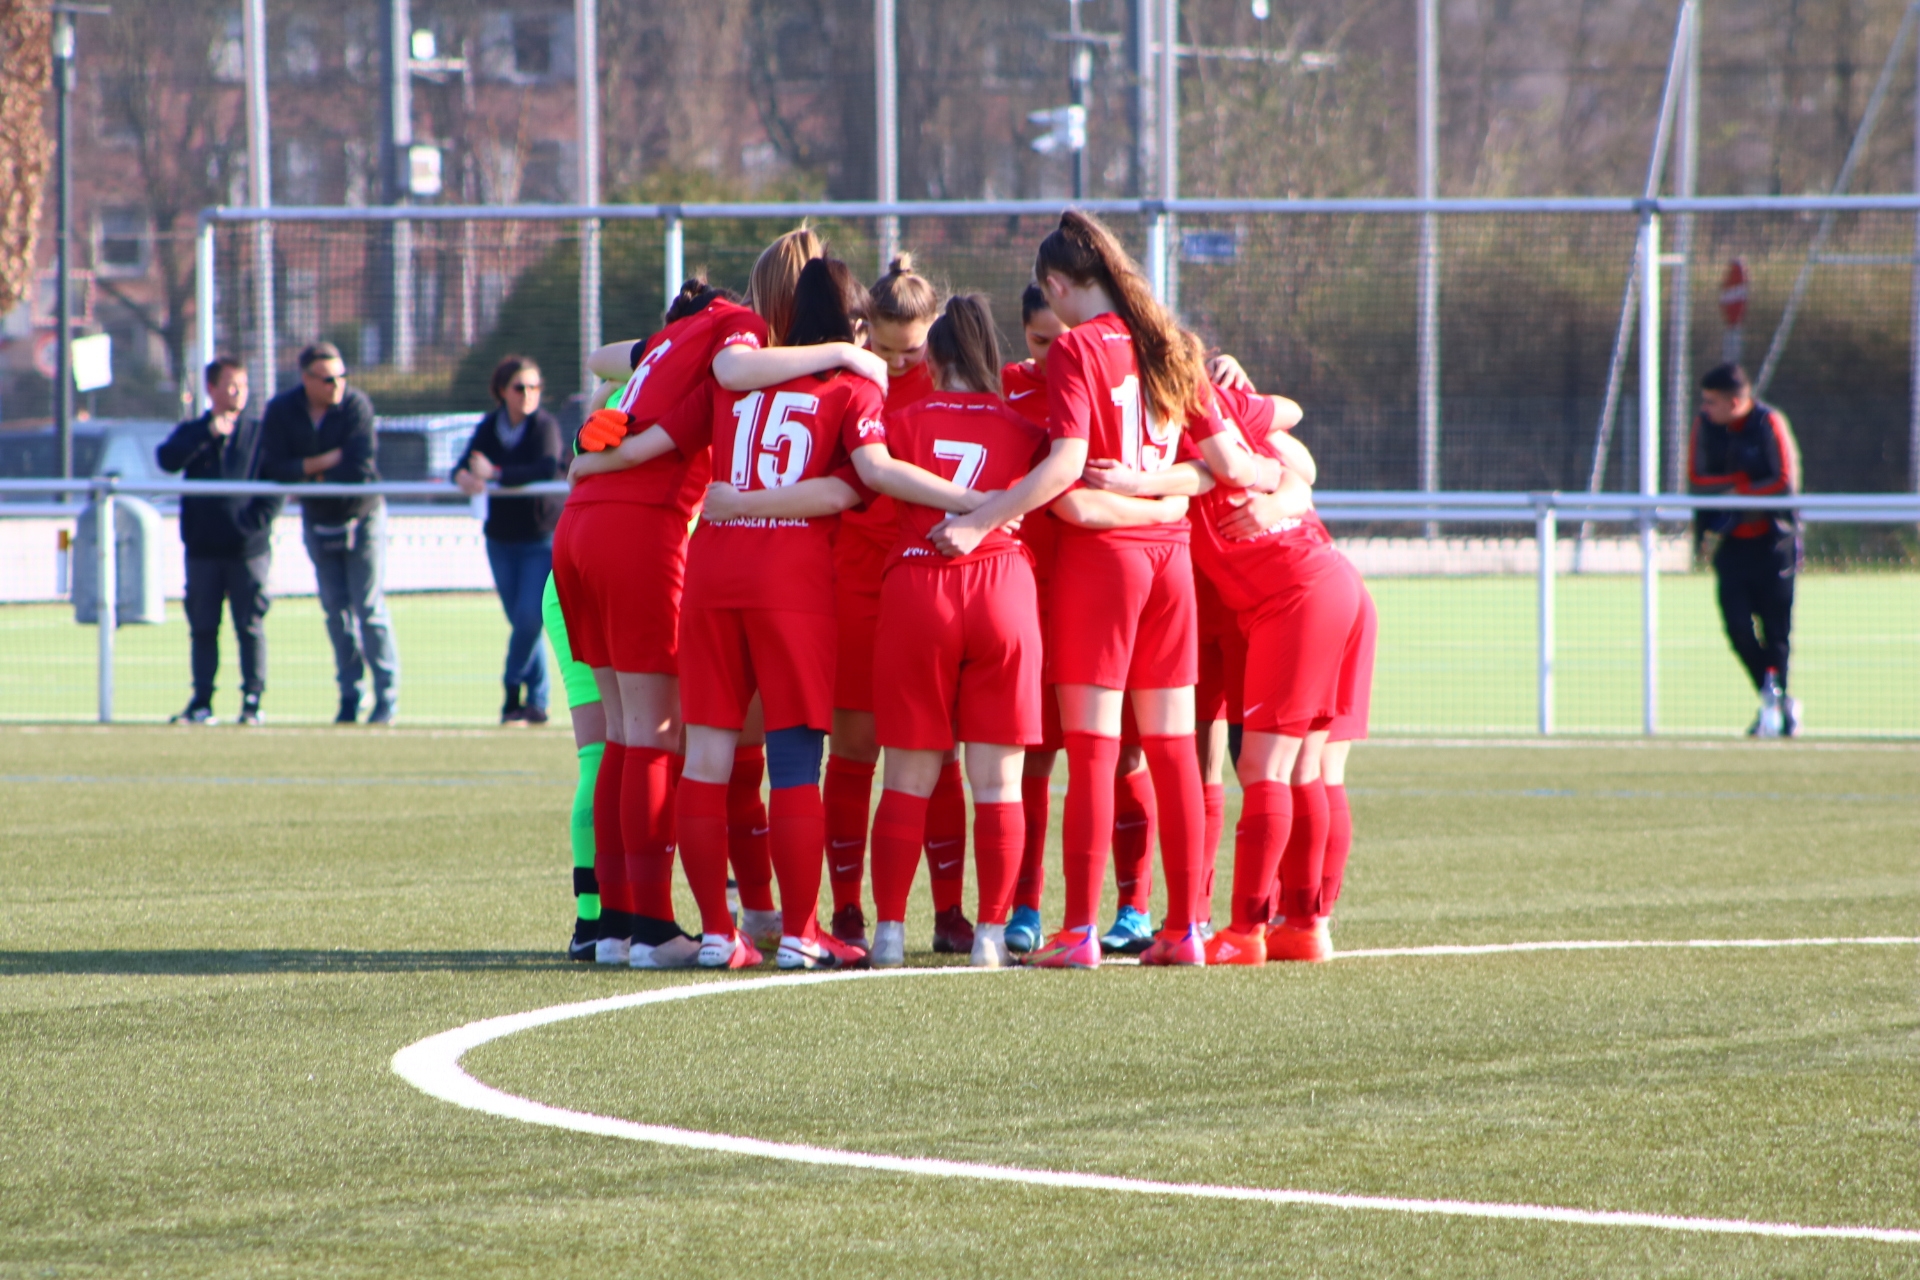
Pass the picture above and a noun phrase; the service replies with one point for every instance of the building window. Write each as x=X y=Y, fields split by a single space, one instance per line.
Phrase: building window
x=303 y=56
x=226 y=54
x=527 y=47
x=122 y=242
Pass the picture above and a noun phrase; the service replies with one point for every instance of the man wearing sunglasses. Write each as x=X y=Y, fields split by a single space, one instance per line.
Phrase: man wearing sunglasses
x=323 y=431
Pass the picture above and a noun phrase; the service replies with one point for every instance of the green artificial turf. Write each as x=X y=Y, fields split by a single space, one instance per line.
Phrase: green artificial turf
x=213 y=943
x=1456 y=656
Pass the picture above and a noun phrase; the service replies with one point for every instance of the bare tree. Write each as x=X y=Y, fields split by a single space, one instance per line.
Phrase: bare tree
x=25 y=72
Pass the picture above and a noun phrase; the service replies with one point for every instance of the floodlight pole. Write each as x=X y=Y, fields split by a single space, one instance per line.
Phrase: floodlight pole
x=398 y=140
x=1913 y=384
x=1079 y=75
x=886 y=123
x=1140 y=102
x=203 y=305
x=586 y=59
x=63 y=79
x=253 y=28
x=1680 y=309
x=1162 y=235
x=1427 y=145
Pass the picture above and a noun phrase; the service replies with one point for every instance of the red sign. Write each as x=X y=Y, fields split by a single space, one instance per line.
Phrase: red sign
x=1733 y=294
x=45 y=357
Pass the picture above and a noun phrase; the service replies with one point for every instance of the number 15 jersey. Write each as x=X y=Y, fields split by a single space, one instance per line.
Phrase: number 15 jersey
x=770 y=439
x=1094 y=394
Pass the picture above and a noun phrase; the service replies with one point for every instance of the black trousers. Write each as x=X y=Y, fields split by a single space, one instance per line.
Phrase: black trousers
x=1756 y=582
x=241 y=583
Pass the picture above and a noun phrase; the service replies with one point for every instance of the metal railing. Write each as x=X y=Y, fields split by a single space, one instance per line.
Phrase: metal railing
x=1543 y=510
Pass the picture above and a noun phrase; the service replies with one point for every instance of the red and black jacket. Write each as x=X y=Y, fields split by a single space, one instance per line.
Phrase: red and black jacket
x=1755 y=455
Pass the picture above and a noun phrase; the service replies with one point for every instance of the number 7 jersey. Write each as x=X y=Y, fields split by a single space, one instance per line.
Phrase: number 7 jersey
x=771 y=439
x=967 y=437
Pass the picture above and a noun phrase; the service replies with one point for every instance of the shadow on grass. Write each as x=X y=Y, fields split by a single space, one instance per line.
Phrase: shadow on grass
x=22 y=963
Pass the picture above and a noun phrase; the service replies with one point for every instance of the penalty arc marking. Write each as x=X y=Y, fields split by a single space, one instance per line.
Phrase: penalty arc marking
x=433 y=1066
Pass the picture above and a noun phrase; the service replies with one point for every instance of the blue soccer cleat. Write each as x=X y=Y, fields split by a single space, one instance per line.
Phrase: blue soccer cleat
x=1023 y=929
x=1132 y=933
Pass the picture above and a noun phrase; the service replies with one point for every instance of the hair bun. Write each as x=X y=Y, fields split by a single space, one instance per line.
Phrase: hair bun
x=902 y=265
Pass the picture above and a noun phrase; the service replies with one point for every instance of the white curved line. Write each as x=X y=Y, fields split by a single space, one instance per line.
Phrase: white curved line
x=1497 y=948
x=433 y=1066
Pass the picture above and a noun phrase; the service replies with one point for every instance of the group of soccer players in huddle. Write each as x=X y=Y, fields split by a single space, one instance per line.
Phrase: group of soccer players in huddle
x=903 y=544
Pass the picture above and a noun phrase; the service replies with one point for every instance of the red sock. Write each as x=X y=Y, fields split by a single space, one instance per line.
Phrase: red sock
x=1086 y=833
x=1339 y=843
x=1036 y=796
x=1303 y=863
x=1135 y=817
x=609 y=847
x=849 y=795
x=799 y=848
x=1214 y=796
x=700 y=819
x=997 y=833
x=1174 y=761
x=747 y=847
x=645 y=793
x=899 y=829
x=1266 y=813
x=947 y=838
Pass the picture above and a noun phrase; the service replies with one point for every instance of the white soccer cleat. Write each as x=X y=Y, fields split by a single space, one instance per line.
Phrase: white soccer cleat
x=675 y=953
x=612 y=951
x=762 y=926
x=990 y=947
x=889 y=944
x=727 y=951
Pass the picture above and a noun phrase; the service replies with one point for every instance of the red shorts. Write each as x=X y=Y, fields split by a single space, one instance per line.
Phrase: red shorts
x=959 y=656
x=1296 y=641
x=1356 y=674
x=731 y=654
x=1122 y=615
x=1223 y=658
x=619 y=568
x=857 y=565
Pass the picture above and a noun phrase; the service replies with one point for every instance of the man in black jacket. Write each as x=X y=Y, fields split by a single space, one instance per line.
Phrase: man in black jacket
x=323 y=430
x=228 y=540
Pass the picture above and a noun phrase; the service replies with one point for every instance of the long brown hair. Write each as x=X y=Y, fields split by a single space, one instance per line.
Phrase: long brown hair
x=1172 y=373
x=902 y=295
x=964 y=344
x=770 y=286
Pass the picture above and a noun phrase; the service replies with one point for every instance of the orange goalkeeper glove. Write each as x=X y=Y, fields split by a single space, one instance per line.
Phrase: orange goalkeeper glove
x=605 y=429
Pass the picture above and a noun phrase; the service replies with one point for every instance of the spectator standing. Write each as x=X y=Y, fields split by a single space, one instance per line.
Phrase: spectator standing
x=228 y=540
x=323 y=430
x=1742 y=446
x=518 y=444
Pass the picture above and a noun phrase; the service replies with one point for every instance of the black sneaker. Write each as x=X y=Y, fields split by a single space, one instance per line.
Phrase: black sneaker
x=384 y=711
x=196 y=713
x=250 y=709
x=533 y=715
x=586 y=937
x=349 y=712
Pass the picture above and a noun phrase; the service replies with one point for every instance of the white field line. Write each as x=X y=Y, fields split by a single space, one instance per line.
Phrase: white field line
x=433 y=1066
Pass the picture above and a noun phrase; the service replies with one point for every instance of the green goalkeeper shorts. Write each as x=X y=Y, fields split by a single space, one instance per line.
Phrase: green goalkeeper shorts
x=582 y=688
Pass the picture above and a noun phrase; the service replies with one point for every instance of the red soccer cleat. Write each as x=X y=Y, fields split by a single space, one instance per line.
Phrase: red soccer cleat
x=1228 y=947
x=1067 y=949
x=1170 y=948
x=819 y=951
x=952 y=933
x=850 y=925
x=1289 y=941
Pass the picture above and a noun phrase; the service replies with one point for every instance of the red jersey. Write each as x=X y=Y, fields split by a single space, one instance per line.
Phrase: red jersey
x=1024 y=386
x=675 y=364
x=1251 y=412
x=1292 y=554
x=876 y=521
x=967 y=437
x=1093 y=394
x=768 y=439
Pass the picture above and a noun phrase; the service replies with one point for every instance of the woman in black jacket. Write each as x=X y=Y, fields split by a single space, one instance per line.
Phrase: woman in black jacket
x=517 y=444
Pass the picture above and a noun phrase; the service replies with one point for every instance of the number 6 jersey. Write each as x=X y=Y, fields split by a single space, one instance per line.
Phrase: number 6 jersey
x=770 y=439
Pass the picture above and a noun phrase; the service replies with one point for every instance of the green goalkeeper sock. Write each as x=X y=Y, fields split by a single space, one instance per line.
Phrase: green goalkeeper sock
x=586 y=890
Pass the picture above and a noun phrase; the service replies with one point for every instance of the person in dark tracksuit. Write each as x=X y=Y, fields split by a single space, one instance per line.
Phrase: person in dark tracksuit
x=324 y=430
x=518 y=443
x=1742 y=446
x=228 y=540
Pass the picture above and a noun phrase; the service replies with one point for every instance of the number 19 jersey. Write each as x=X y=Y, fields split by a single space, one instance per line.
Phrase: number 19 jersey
x=769 y=439
x=1094 y=394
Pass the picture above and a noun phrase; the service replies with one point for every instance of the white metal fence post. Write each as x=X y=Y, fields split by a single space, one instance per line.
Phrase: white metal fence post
x=203 y=305
x=1545 y=527
x=676 y=255
x=1649 y=470
x=886 y=124
x=106 y=589
x=586 y=70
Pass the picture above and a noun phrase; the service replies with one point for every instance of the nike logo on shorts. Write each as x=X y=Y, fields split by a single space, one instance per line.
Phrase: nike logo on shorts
x=1247 y=711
